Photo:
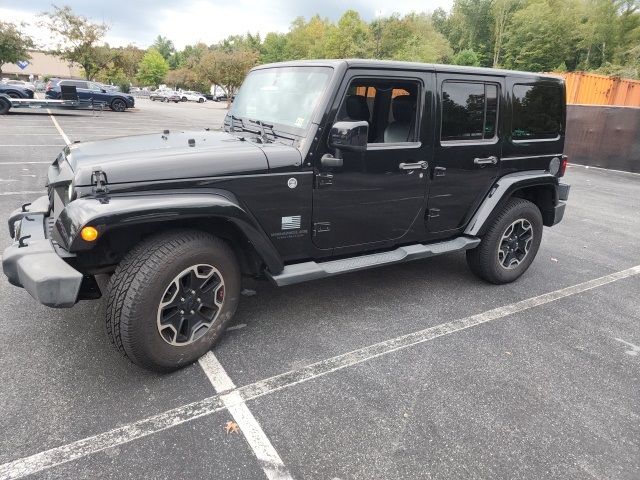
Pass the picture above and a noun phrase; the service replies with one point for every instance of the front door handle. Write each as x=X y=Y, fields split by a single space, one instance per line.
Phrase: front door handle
x=486 y=161
x=414 y=166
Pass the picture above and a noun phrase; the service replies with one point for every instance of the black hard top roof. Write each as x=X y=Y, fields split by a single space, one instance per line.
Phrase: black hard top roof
x=415 y=66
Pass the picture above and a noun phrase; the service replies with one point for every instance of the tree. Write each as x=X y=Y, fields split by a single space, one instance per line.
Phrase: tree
x=227 y=69
x=78 y=38
x=153 y=68
x=466 y=57
x=349 y=38
x=425 y=44
x=307 y=39
x=274 y=48
x=14 y=44
x=542 y=36
x=164 y=47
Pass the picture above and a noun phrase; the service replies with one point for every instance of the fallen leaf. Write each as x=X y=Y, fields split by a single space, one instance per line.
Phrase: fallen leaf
x=231 y=427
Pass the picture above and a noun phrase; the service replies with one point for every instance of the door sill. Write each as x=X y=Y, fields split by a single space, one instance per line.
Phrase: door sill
x=305 y=271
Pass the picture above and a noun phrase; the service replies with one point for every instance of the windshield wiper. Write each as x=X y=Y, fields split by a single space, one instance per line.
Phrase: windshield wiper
x=262 y=125
x=242 y=126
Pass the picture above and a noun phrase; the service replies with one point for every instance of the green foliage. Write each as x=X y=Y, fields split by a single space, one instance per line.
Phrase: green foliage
x=78 y=38
x=164 y=47
x=466 y=57
x=350 y=38
x=152 y=69
x=14 y=44
x=226 y=68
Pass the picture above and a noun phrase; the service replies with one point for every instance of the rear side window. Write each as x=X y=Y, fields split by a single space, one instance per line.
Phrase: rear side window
x=537 y=112
x=75 y=83
x=469 y=111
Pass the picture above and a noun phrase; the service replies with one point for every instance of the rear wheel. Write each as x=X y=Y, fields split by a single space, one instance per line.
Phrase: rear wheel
x=184 y=99
x=118 y=105
x=201 y=100
x=510 y=243
x=14 y=95
x=171 y=298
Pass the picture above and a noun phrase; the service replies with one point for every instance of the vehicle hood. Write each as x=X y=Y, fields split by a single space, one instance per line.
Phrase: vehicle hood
x=173 y=155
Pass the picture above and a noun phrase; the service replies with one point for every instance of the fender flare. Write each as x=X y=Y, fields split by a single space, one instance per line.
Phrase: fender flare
x=502 y=190
x=117 y=211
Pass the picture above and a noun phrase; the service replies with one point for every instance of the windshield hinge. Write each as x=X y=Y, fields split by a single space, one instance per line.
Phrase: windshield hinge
x=99 y=180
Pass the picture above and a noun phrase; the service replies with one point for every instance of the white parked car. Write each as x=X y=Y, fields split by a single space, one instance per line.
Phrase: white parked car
x=20 y=83
x=190 y=96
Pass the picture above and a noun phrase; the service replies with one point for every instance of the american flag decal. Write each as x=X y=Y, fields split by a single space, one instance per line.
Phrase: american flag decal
x=291 y=223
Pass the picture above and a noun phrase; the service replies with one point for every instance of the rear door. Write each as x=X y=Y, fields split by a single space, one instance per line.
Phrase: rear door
x=468 y=147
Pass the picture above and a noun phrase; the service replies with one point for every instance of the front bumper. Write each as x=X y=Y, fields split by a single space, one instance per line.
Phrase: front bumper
x=33 y=263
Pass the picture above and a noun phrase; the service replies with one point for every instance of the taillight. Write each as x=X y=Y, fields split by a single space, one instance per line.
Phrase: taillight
x=563 y=166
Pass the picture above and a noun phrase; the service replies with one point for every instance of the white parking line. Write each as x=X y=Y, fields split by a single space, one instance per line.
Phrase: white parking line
x=264 y=451
x=33 y=145
x=57 y=125
x=21 y=163
x=177 y=416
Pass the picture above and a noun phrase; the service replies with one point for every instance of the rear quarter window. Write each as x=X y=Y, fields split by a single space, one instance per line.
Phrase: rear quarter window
x=537 y=112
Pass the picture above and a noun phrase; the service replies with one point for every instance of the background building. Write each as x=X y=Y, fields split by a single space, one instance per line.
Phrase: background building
x=42 y=64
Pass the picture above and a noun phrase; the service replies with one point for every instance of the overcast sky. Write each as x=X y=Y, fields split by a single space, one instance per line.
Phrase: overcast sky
x=190 y=21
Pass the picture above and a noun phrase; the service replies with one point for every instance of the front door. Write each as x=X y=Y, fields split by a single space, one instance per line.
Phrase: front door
x=377 y=196
x=467 y=148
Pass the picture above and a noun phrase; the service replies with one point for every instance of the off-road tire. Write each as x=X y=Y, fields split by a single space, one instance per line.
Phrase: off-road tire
x=139 y=283
x=484 y=260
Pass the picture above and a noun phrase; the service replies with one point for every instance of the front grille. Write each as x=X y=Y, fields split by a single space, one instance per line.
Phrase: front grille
x=49 y=222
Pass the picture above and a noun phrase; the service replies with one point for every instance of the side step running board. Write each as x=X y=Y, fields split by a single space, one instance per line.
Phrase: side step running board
x=302 y=272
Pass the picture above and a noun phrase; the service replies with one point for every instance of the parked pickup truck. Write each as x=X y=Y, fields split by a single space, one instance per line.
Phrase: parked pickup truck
x=323 y=168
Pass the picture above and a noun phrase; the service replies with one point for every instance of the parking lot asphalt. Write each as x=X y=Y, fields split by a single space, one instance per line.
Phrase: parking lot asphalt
x=536 y=379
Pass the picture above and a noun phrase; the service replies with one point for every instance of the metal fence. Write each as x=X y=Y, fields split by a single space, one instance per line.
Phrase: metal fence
x=604 y=136
x=592 y=89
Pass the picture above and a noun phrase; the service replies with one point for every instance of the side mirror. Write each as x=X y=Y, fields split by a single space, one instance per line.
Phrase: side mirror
x=102 y=90
x=349 y=136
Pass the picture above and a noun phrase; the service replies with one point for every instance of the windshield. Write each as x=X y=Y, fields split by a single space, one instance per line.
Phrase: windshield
x=285 y=95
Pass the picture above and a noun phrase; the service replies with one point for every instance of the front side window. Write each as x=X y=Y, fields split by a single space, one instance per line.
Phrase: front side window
x=286 y=96
x=469 y=111
x=537 y=112
x=389 y=106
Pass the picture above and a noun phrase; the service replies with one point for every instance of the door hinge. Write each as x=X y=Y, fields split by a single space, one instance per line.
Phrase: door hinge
x=325 y=179
x=320 y=227
x=434 y=212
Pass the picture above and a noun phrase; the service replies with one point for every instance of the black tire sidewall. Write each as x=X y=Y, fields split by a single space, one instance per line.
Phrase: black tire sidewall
x=116 y=102
x=147 y=347
x=488 y=249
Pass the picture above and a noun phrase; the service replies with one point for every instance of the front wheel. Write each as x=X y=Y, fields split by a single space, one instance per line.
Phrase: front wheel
x=171 y=298
x=510 y=243
x=201 y=100
x=118 y=105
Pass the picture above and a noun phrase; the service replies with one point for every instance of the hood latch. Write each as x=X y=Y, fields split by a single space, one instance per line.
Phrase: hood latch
x=99 y=181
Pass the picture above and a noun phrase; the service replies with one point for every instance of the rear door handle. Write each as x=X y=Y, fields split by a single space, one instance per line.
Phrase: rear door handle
x=486 y=161
x=414 y=166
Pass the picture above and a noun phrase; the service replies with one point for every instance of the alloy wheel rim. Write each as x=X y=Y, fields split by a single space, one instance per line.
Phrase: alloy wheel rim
x=190 y=304
x=515 y=244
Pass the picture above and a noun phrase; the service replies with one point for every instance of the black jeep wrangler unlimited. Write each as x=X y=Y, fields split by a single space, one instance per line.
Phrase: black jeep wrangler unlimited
x=323 y=167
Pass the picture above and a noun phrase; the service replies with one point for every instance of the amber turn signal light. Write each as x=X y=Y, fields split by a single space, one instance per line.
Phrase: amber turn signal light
x=89 y=234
